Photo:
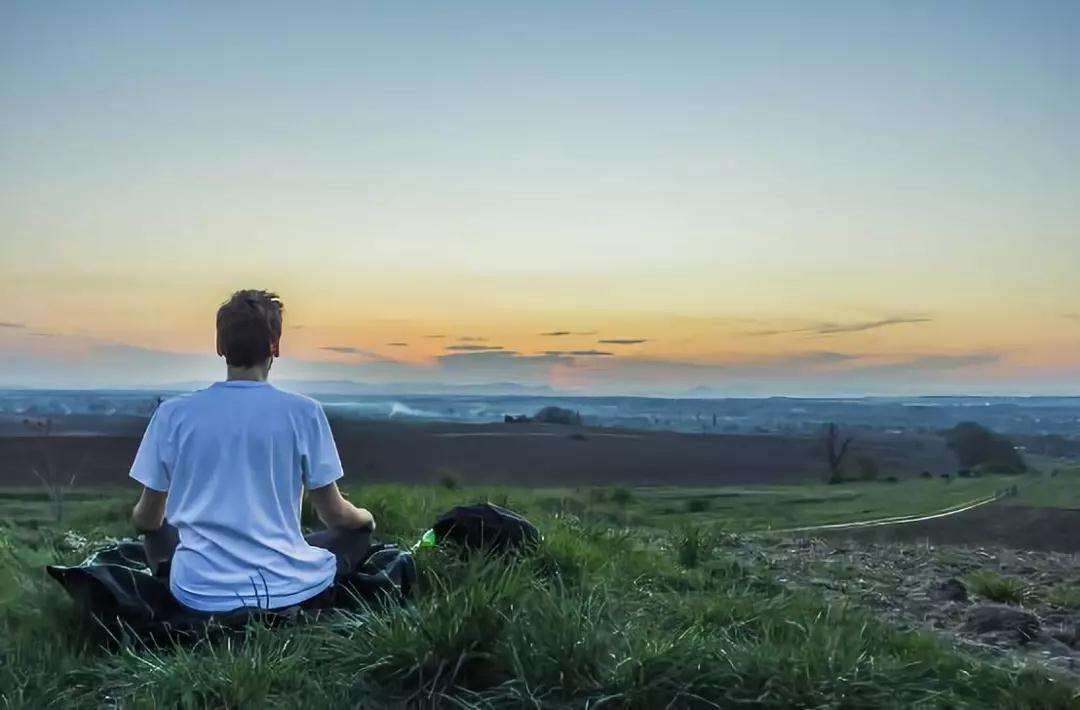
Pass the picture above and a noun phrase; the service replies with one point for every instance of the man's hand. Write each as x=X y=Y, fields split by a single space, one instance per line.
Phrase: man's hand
x=149 y=513
x=336 y=512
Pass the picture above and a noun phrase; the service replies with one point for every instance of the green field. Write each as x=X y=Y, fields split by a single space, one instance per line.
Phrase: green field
x=633 y=600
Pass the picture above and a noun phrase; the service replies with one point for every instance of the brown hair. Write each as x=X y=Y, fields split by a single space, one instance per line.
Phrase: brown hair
x=248 y=325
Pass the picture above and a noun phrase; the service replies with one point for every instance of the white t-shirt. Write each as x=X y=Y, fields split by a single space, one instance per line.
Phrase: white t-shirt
x=234 y=458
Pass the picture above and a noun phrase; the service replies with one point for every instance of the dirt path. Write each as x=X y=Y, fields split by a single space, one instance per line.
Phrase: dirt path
x=896 y=519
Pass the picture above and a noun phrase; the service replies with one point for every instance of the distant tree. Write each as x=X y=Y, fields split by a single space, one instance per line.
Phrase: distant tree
x=55 y=483
x=558 y=415
x=1054 y=445
x=835 y=450
x=977 y=446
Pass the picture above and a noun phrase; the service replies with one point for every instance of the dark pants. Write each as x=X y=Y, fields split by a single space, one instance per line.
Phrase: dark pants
x=349 y=547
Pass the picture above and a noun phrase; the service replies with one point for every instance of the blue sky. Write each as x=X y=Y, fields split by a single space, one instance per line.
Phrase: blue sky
x=690 y=173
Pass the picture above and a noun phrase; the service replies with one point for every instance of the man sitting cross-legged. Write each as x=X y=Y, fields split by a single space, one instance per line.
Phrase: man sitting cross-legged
x=227 y=466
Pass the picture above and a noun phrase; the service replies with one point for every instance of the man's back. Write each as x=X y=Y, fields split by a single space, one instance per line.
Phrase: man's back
x=234 y=459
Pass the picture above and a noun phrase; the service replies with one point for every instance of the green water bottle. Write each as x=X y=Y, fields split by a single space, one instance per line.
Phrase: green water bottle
x=426 y=540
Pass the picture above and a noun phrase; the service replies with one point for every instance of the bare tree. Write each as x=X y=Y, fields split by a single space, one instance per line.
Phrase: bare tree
x=56 y=484
x=835 y=450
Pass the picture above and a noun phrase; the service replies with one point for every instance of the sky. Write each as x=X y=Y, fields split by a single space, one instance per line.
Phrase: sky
x=601 y=197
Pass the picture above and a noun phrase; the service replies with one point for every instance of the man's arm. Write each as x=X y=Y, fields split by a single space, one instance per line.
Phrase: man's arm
x=336 y=512
x=149 y=513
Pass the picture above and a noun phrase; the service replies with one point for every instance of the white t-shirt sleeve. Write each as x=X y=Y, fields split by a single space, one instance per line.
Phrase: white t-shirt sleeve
x=152 y=462
x=322 y=465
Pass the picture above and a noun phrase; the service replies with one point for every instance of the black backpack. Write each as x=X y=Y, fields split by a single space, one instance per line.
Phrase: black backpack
x=485 y=526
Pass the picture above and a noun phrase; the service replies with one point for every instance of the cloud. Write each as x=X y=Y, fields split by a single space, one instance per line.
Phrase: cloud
x=584 y=353
x=1071 y=316
x=816 y=357
x=501 y=365
x=473 y=348
x=72 y=361
x=558 y=333
x=471 y=339
x=435 y=336
x=398 y=345
x=14 y=326
x=929 y=363
x=623 y=341
x=833 y=328
x=477 y=354
x=349 y=350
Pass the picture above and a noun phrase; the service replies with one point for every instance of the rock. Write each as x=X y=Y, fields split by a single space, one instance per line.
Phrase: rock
x=1065 y=632
x=992 y=618
x=951 y=590
x=1056 y=649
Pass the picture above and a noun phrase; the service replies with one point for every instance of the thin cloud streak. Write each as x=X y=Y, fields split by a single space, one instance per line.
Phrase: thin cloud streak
x=349 y=350
x=473 y=348
x=13 y=326
x=929 y=363
x=834 y=328
x=559 y=333
x=583 y=353
x=623 y=341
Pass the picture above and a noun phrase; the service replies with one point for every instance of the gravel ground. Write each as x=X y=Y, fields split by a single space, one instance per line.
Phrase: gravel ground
x=1036 y=620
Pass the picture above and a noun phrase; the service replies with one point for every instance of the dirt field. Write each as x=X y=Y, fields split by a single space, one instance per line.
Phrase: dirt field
x=1002 y=525
x=517 y=454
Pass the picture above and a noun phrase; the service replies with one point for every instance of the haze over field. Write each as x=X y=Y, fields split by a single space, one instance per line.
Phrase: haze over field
x=783 y=198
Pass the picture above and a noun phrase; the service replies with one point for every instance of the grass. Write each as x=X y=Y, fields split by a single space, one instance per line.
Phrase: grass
x=997 y=588
x=625 y=604
x=1066 y=596
x=1061 y=490
x=763 y=508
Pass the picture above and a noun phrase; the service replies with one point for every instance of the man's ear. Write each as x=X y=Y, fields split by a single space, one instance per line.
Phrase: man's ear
x=220 y=351
x=275 y=347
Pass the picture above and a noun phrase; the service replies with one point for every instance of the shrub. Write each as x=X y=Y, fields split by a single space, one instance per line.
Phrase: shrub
x=557 y=415
x=975 y=445
x=448 y=479
x=697 y=505
x=1066 y=596
x=996 y=588
x=693 y=546
x=621 y=495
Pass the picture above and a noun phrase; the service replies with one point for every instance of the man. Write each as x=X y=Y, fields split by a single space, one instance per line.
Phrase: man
x=227 y=466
